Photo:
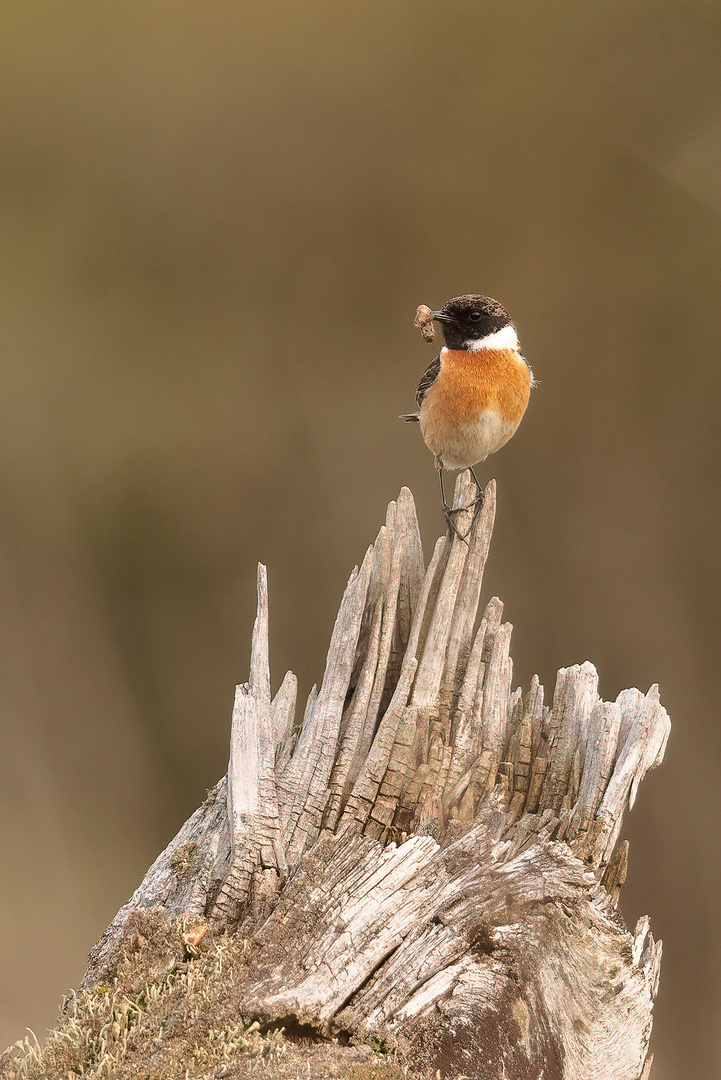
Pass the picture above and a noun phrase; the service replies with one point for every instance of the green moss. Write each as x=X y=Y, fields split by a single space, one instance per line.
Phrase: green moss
x=166 y=1016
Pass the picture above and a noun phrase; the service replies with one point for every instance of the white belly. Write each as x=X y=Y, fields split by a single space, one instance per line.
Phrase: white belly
x=459 y=445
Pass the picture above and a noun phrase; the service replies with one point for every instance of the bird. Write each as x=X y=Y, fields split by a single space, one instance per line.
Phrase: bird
x=472 y=397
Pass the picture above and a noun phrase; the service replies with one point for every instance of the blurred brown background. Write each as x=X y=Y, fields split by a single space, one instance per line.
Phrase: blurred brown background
x=216 y=222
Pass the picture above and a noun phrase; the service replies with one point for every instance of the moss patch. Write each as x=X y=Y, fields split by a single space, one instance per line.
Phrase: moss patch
x=166 y=1014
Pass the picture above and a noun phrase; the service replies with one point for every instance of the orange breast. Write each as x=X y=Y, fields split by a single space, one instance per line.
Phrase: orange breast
x=471 y=382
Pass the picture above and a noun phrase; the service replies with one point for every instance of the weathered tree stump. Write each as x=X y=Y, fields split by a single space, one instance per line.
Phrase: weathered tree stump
x=431 y=859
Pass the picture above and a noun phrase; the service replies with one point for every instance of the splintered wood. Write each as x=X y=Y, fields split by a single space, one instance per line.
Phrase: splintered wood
x=428 y=855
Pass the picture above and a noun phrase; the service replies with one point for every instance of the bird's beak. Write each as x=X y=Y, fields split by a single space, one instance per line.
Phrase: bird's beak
x=440 y=317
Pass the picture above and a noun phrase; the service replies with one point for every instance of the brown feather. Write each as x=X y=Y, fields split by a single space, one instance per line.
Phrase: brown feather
x=429 y=377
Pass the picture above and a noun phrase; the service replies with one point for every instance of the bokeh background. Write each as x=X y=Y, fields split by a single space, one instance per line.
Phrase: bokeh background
x=216 y=221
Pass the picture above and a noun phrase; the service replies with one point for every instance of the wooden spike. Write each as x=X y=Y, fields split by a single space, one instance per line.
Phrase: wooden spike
x=604 y=725
x=433 y=658
x=647 y=727
x=469 y=592
x=376 y=765
x=390 y=610
x=412 y=565
x=252 y=796
x=316 y=748
x=259 y=681
x=342 y=775
x=282 y=710
x=573 y=701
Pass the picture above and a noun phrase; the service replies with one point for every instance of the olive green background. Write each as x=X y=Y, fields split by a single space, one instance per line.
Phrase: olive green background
x=216 y=221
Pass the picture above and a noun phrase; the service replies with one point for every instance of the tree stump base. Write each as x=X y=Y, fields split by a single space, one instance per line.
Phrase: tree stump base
x=429 y=863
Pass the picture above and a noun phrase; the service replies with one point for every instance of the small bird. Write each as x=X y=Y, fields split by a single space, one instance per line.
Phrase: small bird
x=472 y=397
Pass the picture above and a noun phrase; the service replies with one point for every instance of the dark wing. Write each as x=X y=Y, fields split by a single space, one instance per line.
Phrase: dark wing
x=430 y=376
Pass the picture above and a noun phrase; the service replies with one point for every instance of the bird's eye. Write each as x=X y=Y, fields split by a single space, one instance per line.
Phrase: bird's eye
x=475 y=315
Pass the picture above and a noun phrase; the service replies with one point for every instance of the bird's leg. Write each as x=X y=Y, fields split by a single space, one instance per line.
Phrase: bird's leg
x=448 y=511
x=480 y=495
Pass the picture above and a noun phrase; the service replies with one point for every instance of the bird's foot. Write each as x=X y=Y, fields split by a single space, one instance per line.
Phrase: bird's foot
x=480 y=495
x=448 y=513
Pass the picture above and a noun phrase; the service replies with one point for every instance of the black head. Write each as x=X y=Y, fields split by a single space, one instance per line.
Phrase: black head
x=466 y=319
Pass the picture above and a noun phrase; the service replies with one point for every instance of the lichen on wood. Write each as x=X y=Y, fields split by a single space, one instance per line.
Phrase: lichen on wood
x=429 y=857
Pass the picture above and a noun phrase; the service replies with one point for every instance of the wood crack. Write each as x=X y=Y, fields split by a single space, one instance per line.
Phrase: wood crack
x=428 y=850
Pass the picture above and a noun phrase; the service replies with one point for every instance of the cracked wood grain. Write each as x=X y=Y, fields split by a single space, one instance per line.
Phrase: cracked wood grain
x=430 y=855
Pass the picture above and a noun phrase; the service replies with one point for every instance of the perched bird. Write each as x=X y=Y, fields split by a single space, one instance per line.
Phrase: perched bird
x=473 y=396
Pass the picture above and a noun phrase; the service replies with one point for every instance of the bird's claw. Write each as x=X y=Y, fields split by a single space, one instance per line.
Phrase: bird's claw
x=448 y=513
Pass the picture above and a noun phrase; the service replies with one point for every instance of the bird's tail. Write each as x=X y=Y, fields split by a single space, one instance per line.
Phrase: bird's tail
x=410 y=418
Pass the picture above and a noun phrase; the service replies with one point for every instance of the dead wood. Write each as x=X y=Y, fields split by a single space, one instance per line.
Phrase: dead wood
x=430 y=857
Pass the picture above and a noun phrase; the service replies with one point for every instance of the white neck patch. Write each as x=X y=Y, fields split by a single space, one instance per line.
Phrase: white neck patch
x=507 y=338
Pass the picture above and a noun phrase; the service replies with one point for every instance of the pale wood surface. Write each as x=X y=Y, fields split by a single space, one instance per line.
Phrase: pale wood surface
x=431 y=855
